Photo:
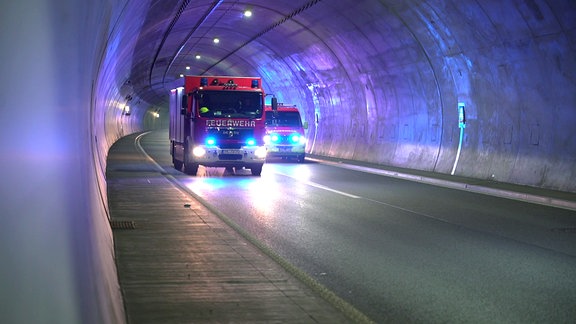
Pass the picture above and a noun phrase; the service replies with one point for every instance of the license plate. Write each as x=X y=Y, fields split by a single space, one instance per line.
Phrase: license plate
x=231 y=151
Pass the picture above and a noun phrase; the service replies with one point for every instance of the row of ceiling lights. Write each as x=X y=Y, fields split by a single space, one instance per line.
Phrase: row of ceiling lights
x=216 y=40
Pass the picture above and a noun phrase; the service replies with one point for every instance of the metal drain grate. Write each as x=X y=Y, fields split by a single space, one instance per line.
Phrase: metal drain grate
x=122 y=225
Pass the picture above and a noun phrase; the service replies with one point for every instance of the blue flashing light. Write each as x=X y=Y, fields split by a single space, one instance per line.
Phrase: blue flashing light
x=203 y=82
x=251 y=142
x=255 y=83
x=210 y=141
x=275 y=138
x=295 y=138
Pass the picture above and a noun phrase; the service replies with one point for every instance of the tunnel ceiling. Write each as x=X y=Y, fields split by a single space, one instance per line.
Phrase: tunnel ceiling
x=174 y=33
x=387 y=33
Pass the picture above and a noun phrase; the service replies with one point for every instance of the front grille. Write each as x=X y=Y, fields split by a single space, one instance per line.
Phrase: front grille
x=284 y=139
x=231 y=138
x=230 y=145
x=231 y=133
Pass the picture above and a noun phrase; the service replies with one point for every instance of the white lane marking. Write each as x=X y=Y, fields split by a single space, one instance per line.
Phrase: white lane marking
x=319 y=186
x=141 y=150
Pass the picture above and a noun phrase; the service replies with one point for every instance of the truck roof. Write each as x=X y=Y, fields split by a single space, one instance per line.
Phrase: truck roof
x=218 y=82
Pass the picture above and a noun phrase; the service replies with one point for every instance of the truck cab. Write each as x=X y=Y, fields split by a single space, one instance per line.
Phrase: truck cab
x=285 y=137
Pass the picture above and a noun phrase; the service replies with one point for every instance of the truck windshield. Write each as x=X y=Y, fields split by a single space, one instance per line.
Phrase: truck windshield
x=284 y=118
x=230 y=104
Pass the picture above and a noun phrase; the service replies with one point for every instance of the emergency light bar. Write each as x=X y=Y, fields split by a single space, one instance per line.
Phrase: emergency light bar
x=210 y=141
x=251 y=142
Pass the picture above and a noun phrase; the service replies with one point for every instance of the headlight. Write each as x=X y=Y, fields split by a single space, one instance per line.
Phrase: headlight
x=272 y=138
x=199 y=151
x=260 y=152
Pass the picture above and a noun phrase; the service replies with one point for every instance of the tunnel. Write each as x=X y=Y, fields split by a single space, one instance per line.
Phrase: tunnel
x=478 y=89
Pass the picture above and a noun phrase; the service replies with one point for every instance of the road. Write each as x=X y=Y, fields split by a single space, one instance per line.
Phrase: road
x=402 y=251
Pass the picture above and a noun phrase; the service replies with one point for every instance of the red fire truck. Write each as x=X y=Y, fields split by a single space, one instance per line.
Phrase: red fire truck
x=285 y=136
x=217 y=121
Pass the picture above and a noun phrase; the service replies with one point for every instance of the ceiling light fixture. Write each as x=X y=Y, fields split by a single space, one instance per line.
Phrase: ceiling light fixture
x=216 y=40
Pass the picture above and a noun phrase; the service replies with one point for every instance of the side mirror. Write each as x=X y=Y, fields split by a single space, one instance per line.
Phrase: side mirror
x=184 y=105
x=184 y=101
x=274 y=103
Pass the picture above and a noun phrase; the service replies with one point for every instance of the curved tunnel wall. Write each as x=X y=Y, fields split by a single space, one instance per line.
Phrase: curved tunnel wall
x=385 y=88
x=64 y=91
x=382 y=80
x=56 y=244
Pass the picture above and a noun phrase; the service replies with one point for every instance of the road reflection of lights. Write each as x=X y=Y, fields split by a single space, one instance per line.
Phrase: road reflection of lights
x=262 y=197
x=204 y=184
x=264 y=194
x=302 y=172
x=261 y=193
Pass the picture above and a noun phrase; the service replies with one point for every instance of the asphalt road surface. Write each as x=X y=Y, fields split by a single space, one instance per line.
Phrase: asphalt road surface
x=401 y=251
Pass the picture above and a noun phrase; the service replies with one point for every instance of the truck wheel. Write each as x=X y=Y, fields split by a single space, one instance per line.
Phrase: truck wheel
x=177 y=164
x=190 y=167
x=256 y=169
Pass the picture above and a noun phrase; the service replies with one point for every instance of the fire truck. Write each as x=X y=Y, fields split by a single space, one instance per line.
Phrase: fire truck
x=217 y=121
x=285 y=136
